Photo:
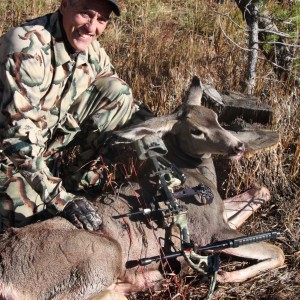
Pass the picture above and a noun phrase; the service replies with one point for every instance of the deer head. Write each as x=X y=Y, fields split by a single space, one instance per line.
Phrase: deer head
x=195 y=128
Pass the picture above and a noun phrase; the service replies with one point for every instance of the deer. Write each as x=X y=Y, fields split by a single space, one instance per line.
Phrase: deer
x=54 y=260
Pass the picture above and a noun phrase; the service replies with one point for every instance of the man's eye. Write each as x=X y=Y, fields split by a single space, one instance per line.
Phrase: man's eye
x=102 y=20
x=84 y=15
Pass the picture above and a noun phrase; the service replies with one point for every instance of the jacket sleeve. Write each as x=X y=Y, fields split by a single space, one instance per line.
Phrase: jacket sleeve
x=26 y=130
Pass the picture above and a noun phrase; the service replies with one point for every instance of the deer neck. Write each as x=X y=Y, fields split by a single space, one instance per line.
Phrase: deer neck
x=181 y=157
x=202 y=164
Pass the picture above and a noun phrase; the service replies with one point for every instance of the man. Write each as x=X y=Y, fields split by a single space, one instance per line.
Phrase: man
x=56 y=81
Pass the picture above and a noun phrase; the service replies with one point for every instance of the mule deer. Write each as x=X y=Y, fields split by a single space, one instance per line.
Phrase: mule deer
x=54 y=260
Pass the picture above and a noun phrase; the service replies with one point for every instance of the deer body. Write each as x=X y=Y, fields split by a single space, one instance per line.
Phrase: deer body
x=54 y=260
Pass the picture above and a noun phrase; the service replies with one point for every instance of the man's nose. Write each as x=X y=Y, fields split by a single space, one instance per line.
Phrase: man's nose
x=91 y=25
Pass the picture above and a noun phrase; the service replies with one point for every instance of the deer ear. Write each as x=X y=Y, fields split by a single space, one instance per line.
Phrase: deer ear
x=156 y=126
x=133 y=133
x=195 y=92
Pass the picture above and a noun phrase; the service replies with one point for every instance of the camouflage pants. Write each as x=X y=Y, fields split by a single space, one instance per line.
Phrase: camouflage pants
x=106 y=105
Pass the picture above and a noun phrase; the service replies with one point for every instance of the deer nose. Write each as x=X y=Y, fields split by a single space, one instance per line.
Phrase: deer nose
x=240 y=148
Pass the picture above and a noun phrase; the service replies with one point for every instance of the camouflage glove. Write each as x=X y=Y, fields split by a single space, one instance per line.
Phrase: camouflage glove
x=82 y=214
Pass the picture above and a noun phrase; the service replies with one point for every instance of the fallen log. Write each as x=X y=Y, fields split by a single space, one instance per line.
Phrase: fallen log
x=237 y=105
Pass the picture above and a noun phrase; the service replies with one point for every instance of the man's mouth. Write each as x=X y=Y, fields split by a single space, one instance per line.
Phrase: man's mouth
x=84 y=36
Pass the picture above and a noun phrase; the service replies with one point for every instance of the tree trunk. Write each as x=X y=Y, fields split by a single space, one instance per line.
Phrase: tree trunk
x=253 y=48
x=279 y=54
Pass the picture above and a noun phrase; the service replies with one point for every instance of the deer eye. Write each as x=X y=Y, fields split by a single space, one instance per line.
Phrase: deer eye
x=197 y=132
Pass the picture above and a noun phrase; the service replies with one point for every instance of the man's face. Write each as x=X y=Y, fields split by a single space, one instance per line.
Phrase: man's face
x=84 y=21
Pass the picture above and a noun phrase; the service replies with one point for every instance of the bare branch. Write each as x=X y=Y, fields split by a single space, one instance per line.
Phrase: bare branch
x=231 y=20
x=280 y=43
x=230 y=39
x=274 y=64
x=281 y=34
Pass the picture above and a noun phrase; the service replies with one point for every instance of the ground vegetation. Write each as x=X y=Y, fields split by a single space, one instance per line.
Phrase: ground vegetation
x=157 y=46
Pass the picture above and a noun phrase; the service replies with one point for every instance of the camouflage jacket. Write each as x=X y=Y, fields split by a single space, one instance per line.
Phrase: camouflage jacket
x=39 y=80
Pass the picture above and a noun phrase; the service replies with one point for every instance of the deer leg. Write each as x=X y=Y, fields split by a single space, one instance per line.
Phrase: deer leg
x=109 y=295
x=239 y=208
x=269 y=256
x=135 y=282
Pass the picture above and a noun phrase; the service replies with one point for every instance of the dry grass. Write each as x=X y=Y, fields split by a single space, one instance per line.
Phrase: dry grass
x=157 y=45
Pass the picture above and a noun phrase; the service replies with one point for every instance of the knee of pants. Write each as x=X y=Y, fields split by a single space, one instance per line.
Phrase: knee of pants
x=112 y=88
x=19 y=203
x=108 y=98
x=113 y=104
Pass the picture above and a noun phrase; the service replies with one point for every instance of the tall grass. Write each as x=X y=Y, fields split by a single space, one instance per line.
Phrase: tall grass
x=157 y=46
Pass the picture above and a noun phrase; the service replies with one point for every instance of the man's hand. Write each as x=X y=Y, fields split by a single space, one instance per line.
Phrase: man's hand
x=82 y=214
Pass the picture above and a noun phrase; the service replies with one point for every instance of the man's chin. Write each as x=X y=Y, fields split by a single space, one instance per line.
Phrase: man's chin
x=80 y=46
